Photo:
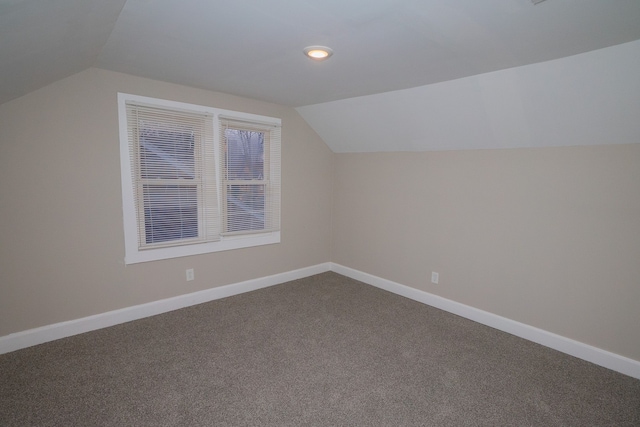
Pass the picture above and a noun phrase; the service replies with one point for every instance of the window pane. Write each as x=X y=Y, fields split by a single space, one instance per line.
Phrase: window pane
x=166 y=154
x=245 y=154
x=170 y=212
x=245 y=207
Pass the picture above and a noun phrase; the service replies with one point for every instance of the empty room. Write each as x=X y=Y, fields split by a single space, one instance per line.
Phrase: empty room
x=320 y=213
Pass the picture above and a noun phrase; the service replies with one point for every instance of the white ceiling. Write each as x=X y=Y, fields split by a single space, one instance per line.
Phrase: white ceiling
x=42 y=41
x=253 y=48
x=592 y=98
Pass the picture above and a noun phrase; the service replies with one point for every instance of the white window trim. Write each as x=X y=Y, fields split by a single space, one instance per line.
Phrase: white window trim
x=132 y=253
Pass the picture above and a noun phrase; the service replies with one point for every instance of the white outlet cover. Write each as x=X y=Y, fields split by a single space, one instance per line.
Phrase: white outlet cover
x=434 y=277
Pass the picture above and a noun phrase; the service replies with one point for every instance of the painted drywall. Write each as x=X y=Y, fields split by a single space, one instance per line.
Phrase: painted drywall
x=549 y=237
x=587 y=99
x=62 y=252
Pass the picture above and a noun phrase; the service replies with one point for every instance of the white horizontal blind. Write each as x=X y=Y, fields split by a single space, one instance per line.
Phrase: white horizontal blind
x=173 y=167
x=250 y=166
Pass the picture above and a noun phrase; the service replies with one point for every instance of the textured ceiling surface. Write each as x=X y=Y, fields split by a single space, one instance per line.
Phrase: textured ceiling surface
x=253 y=48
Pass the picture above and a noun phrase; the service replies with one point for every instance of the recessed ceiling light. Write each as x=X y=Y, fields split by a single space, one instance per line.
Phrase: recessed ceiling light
x=318 y=53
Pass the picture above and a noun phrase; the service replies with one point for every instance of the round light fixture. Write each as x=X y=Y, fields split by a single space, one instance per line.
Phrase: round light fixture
x=318 y=53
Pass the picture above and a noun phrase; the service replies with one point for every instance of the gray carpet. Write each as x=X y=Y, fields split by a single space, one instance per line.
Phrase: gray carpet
x=320 y=351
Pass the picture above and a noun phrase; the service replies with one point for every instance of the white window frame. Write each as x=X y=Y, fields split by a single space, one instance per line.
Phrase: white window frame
x=133 y=254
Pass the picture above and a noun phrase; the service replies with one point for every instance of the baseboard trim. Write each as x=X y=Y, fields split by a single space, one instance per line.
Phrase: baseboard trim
x=574 y=348
x=31 y=337
x=69 y=328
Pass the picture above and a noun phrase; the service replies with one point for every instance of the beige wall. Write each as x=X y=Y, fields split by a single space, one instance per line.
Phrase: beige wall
x=62 y=250
x=549 y=237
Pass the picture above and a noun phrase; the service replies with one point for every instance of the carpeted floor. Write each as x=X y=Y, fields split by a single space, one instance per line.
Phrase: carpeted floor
x=320 y=351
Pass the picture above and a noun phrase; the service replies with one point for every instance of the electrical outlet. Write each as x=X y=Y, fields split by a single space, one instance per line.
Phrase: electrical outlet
x=190 y=275
x=434 y=277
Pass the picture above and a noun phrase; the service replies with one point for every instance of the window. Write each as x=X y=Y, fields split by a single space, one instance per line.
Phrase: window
x=196 y=179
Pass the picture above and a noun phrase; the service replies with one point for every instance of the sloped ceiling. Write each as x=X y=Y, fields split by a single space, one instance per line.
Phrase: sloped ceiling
x=253 y=48
x=588 y=99
x=42 y=41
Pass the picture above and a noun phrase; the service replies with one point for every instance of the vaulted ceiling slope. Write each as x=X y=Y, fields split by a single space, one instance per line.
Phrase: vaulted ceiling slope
x=42 y=41
x=253 y=48
x=592 y=98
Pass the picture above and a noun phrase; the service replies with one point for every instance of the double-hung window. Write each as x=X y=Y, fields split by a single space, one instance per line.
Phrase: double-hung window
x=196 y=179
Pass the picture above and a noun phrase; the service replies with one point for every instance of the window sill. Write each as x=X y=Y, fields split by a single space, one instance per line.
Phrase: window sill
x=134 y=255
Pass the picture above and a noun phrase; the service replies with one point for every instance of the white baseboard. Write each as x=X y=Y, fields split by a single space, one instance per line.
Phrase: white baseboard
x=56 y=331
x=574 y=348
x=583 y=351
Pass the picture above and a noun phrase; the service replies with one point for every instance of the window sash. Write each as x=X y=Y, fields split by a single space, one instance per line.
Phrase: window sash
x=163 y=169
x=237 y=219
